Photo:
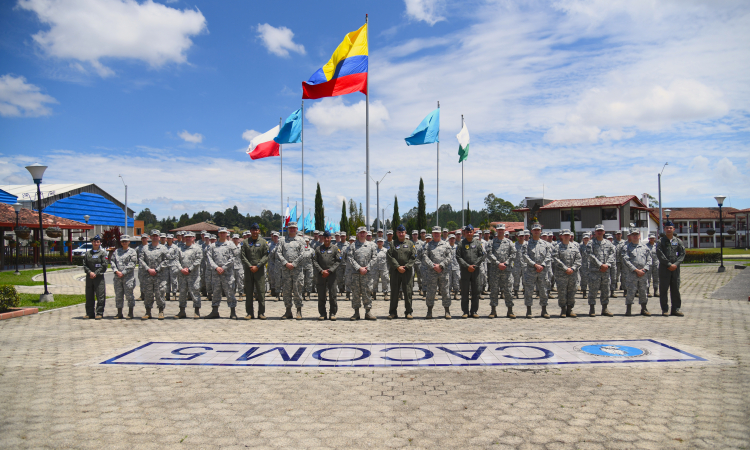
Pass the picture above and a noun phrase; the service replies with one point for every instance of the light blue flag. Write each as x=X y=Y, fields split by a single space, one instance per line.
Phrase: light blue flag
x=309 y=225
x=428 y=132
x=291 y=131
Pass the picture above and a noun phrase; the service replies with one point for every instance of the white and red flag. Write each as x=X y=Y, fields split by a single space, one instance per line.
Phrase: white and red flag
x=264 y=146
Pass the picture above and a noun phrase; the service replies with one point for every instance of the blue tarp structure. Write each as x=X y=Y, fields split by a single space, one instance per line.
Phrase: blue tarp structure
x=101 y=210
x=7 y=198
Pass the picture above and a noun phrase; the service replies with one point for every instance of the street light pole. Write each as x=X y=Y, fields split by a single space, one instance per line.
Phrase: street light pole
x=126 y=204
x=377 y=208
x=86 y=218
x=661 y=217
x=37 y=172
x=17 y=208
x=720 y=201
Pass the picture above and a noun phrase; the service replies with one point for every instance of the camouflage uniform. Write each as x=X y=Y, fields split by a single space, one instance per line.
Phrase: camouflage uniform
x=584 y=272
x=599 y=253
x=141 y=270
x=380 y=272
x=207 y=273
x=362 y=254
x=483 y=266
x=154 y=286
x=308 y=267
x=124 y=261
x=616 y=269
x=636 y=256
x=272 y=263
x=501 y=250
x=190 y=258
x=292 y=250
x=518 y=265
x=454 y=271
x=566 y=257
x=254 y=253
x=173 y=264
x=239 y=273
x=536 y=252
x=341 y=270
x=221 y=254
x=418 y=263
x=439 y=253
x=653 y=271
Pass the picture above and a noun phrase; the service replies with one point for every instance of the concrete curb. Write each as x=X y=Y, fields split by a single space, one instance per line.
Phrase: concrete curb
x=18 y=312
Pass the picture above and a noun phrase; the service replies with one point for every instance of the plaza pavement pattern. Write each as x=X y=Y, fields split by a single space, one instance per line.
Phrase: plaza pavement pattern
x=54 y=393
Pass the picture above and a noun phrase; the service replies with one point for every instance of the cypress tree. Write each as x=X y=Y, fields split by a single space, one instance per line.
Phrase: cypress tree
x=468 y=214
x=396 y=220
x=320 y=214
x=343 y=223
x=421 y=214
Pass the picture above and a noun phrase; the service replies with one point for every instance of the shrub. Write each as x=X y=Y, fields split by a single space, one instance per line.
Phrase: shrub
x=701 y=257
x=9 y=297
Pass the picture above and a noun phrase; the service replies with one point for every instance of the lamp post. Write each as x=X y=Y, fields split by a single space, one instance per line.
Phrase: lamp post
x=126 y=203
x=17 y=208
x=86 y=218
x=720 y=201
x=661 y=226
x=37 y=172
x=377 y=208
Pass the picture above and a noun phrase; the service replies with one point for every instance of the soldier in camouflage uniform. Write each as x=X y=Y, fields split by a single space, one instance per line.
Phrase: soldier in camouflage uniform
x=348 y=270
x=190 y=260
x=636 y=262
x=537 y=257
x=123 y=261
x=500 y=256
x=470 y=254
x=601 y=253
x=141 y=269
x=362 y=258
x=308 y=267
x=454 y=270
x=291 y=255
x=274 y=266
x=254 y=256
x=388 y=240
x=483 y=240
x=326 y=262
x=239 y=273
x=173 y=263
x=154 y=260
x=614 y=274
x=221 y=265
x=518 y=264
x=380 y=271
x=566 y=258
x=653 y=271
x=342 y=245
x=207 y=272
x=94 y=265
x=584 y=272
x=436 y=260
x=418 y=264
x=401 y=257
x=671 y=253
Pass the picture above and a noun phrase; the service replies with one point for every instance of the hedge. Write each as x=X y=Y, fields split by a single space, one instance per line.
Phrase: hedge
x=701 y=257
x=9 y=297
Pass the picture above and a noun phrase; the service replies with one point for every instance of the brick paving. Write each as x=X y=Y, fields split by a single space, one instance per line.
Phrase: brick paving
x=53 y=395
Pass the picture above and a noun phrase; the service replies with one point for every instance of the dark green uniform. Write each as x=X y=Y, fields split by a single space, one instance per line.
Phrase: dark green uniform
x=401 y=254
x=326 y=258
x=470 y=254
x=255 y=253
x=95 y=261
x=670 y=251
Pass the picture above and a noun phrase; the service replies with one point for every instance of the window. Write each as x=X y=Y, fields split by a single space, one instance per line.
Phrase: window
x=609 y=213
x=565 y=215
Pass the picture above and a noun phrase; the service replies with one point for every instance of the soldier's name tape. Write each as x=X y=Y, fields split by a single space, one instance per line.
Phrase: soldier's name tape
x=498 y=354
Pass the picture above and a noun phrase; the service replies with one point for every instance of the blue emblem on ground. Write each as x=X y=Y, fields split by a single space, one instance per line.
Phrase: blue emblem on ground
x=617 y=351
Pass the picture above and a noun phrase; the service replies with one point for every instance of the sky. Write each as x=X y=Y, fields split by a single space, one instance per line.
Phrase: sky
x=566 y=99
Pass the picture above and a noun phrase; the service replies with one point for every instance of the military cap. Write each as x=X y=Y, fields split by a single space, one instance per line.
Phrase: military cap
x=307 y=238
x=155 y=232
x=564 y=232
x=618 y=232
x=380 y=231
x=423 y=230
x=254 y=226
x=204 y=232
x=124 y=237
x=326 y=234
x=361 y=229
x=458 y=231
x=536 y=226
x=162 y=235
x=189 y=234
x=445 y=229
x=351 y=238
x=369 y=233
x=526 y=233
x=437 y=229
x=222 y=230
x=144 y=236
x=400 y=228
x=608 y=236
x=599 y=227
x=212 y=236
x=380 y=240
x=634 y=231
x=414 y=232
x=586 y=235
x=96 y=238
x=469 y=227
x=274 y=233
x=389 y=232
x=668 y=223
x=292 y=225
x=316 y=232
x=500 y=227
x=486 y=232
x=451 y=236
x=170 y=236
x=429 y=236
x=507 y=233
x=235 y=236
x=245 y=233
x=651 y=236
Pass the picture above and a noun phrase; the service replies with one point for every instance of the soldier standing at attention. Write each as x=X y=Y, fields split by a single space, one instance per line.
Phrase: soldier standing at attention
x=567 y=262
x=380 y=271
x=454 y=270
x=326 y=261
x=537 y=257
x=189 y=282
x=584 y=263
x=141 y=269
x=342 y=244
x=470 y=255
x=388 y=240
x=239 y=273
x=671 y=253
x=362 y=257
x=274 y=266
x=401 y=259
x=418 y=264
x=500 y=256
x=123 y=262
x=95 y=264
x=173 y=262
x=616 y=269
x=154 y=260
x=602 y=256
x=636 y=262
x=291 y=255
x=518 y=264
x=653 y=272
x=254 y=256
x=221 y=264
x=436 y=259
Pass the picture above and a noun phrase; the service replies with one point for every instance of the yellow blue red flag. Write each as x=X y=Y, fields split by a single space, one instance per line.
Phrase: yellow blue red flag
x=345 y=72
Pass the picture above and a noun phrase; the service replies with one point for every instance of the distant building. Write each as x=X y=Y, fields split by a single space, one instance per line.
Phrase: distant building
x=692 y=225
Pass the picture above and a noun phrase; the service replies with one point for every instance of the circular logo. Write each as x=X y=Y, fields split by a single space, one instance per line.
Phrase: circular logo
x=613 y=350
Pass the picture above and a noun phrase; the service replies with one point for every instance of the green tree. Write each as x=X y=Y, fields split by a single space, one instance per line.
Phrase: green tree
x=320 y=213
x=421 y=207
x=396 y=220
x=451 y=225
x=468 y=214
x=500 y=210
x=344 y=222
x=652 y=201
x=149 y=219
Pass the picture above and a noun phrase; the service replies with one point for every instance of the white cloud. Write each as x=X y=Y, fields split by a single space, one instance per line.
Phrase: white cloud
x=195 y=138
x=90 y=30
x=424 y=10
x=21 y=99
x=279 y=41
x=332 y=114
x=249 y=135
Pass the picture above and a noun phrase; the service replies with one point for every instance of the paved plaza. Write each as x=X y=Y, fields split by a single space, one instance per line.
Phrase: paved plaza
x=56 y=393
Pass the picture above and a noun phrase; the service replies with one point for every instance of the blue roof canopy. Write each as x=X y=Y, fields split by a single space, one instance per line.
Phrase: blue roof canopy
x=7 y=198
x=101 y=210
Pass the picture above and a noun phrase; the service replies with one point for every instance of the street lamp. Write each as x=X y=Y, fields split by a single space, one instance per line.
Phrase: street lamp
x=720 y=201
x=126 y=203
x=377 y=208
x=661 y=227
x=37 y=172
x=86 y=218
x=17 y=208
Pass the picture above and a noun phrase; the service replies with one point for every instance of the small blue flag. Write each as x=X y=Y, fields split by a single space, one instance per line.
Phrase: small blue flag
x=428 y=132
x=291 y=131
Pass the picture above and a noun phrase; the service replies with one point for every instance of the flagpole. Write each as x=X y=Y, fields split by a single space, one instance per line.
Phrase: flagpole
x=463 y=210
x=281 y=183
x=367 y=133
x=437 y=197
x=303 y=163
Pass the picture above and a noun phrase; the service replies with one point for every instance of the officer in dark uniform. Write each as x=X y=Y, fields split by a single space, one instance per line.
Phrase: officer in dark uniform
x=326 y=260
x=95 y=264
x=671 y=253
x=470 y=255
x=401 y=258
x=254 y=256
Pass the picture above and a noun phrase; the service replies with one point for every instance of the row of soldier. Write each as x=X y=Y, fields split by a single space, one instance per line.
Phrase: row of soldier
x=223 y=267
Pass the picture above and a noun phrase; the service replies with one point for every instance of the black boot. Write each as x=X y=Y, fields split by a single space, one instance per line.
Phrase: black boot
x=130 y=312
x=147 y=315
x=583 y=292
x=214 y=313
x=592 y=311
x=197 y=313
x=510 y=314
x=232 y=313
x=605 y=312
x=181 y=314
x=161 y=313
x=528 y=312
x=119 y=313
x=544 y=312
x=570 y=312
x=628 y=311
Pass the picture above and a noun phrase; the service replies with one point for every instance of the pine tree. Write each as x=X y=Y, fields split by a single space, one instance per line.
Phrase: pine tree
x=421 y=214
x=468 y=214
x=396 y=220
x=320 y=213
x=352 y=217
x=343 y=223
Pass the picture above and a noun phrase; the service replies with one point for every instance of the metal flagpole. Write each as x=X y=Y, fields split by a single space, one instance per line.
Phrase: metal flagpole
x=463 y=210
x=367 y=133
x=281 y=184
x=303 y=164
x=437 y=197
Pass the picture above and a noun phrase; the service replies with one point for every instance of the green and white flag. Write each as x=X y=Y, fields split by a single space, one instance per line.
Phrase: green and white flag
x=463 y=143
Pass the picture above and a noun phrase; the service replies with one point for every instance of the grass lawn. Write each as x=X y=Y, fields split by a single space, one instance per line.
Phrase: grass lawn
x=727 y=251
x=25 y=278
x=60 y=301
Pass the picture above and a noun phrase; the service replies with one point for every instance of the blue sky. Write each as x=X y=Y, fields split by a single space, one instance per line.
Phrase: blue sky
x=579 y=98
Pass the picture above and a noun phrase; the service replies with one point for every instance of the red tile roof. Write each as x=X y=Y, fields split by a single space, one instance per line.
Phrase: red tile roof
x=509 y=226
x=197 y=227
x=618 y=200
x=29 y=218
x=740 y=211
x=677 y=213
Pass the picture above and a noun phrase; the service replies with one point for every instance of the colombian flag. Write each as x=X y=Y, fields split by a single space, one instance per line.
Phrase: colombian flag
x=345 y=72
